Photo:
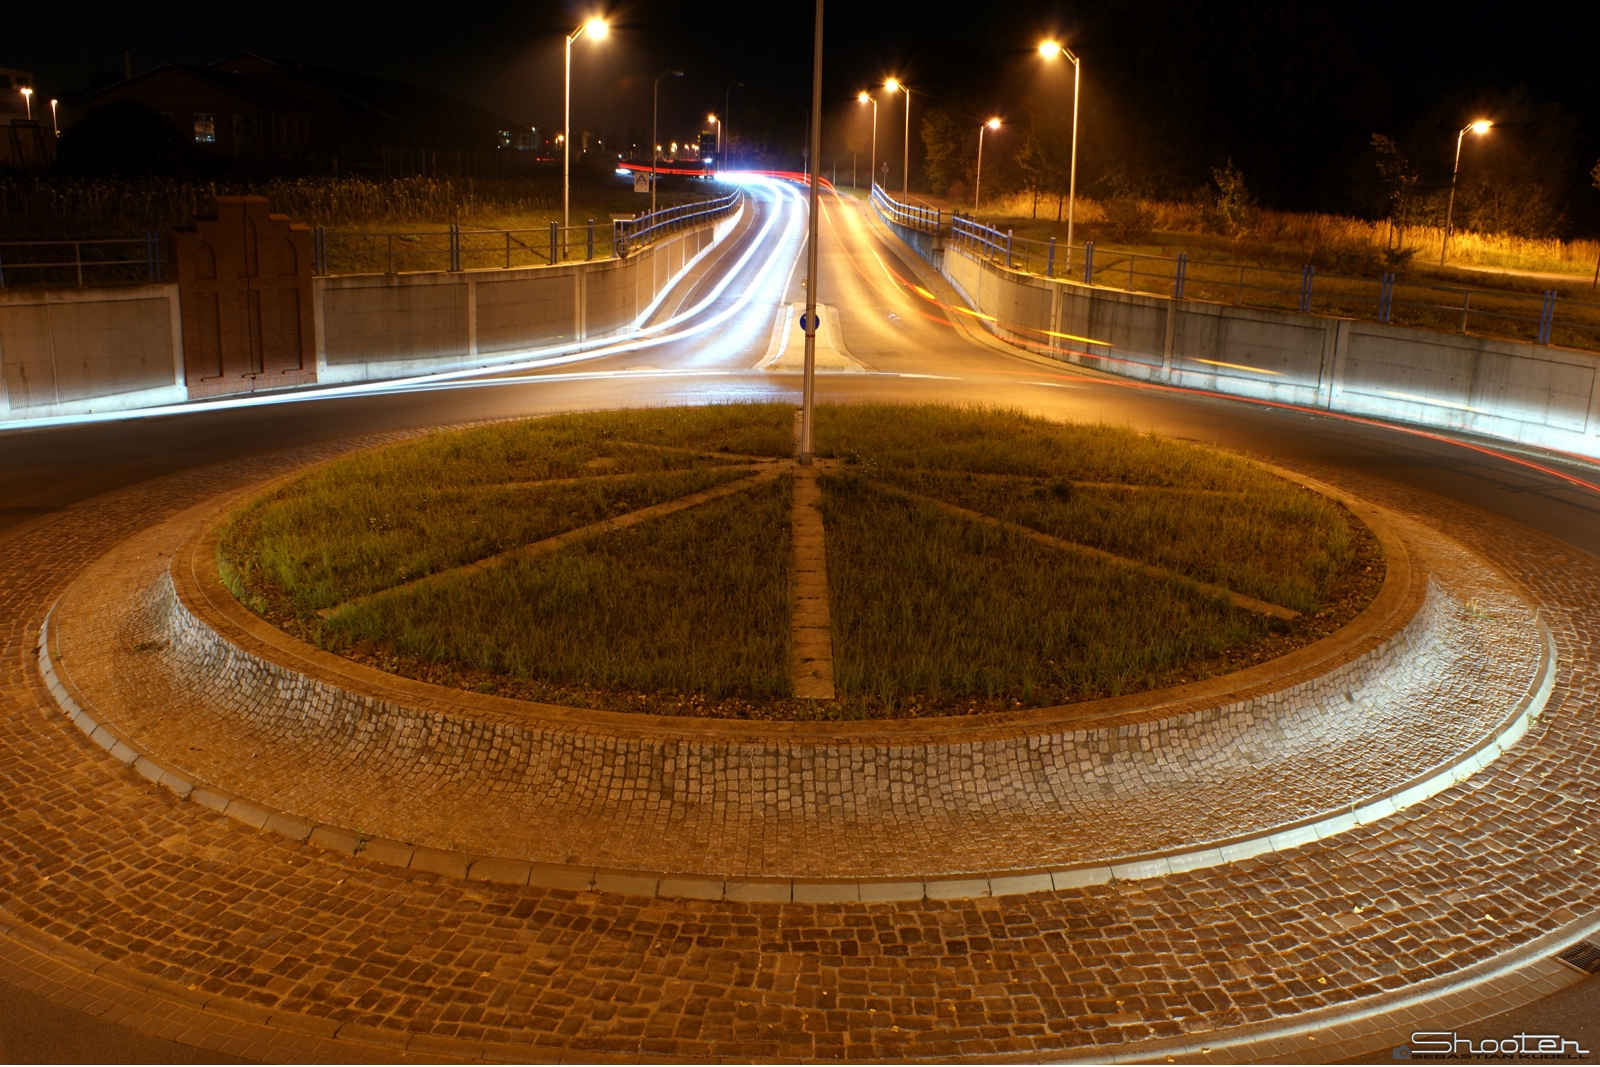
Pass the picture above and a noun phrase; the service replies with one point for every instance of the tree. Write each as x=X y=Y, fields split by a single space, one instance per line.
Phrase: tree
x=949 y=158
x=1400 y=182
x=1044 y=161
x=1230 y=208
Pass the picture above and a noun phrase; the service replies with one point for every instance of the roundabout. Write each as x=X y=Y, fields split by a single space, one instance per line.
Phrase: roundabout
x=167 y=916
x=168 y=648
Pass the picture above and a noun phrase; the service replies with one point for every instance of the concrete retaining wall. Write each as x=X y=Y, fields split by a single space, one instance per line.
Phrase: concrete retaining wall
x=71 y=351
x=372 y=326
x=79 y=351
x=1536 y=394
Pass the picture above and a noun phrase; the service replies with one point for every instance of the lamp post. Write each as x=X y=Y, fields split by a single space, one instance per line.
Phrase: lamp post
x=27 y=98
x=1479 y=127
x=865 y=97
x=1050 y=50
x=655 y=145
x=905 y=165
x=55 y=127
x=718 y=122
x=977 y=183
x=596 y=28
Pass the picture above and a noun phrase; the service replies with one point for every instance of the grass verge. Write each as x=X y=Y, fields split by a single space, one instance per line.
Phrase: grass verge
x=931 y=608
x=692 y=608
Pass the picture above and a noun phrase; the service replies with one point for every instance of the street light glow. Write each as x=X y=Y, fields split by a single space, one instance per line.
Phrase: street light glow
x=1049 y=49
x=993 y=124
x=862 y=97
x=596 y=27
x=711 y=118
x=1481 y=126
x=893 y=84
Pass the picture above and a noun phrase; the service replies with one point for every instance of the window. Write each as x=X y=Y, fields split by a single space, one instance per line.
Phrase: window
x=205 y=127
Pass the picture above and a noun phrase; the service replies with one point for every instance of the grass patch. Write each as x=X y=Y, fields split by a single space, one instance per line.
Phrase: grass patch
x=690 y=613
x=929 y=606
x=694 y=603
x=381 y=517
x=1211 y=516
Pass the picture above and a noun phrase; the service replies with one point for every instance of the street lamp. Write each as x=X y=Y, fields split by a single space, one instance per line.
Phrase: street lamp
x=977 y=185
x=713 y=118
x=55 y=127
x=27 y=97
x=655 y=111
x=1479 y=127
x=865 y=97
x=1052 y=50
x=596 y=28
x=905 y=166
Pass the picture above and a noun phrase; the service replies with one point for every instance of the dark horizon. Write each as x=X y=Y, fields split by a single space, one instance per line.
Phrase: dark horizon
x=1291 y=92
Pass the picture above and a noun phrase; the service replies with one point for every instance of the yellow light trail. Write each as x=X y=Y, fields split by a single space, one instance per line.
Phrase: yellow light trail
x=1238 y=366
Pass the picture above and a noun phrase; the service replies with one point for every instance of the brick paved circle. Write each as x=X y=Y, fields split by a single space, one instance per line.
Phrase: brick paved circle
x=177 y=910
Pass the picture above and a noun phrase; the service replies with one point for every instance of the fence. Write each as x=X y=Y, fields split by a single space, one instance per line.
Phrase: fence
x=45 y=264
x=632 y=234
x=1544 y=318
x=455 y=249
x=913 y=216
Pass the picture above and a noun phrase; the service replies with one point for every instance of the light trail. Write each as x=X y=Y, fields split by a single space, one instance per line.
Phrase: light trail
x=649 y=337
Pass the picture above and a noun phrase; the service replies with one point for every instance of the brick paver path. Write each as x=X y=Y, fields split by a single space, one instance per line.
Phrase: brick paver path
x=114 y=867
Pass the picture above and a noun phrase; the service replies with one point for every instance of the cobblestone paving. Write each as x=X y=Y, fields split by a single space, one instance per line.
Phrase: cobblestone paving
x=785 y=808
x=109 y=863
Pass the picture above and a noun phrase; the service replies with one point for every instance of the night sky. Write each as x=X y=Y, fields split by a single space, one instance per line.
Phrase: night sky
x=1290 y=90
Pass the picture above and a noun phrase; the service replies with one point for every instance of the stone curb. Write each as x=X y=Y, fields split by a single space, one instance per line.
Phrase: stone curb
x=671 y=885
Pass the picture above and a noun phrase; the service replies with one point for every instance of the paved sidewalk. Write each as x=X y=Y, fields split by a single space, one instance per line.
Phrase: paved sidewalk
x=222 y=935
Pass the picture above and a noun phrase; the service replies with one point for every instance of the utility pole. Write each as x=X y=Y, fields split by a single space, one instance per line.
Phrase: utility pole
x=809 y=386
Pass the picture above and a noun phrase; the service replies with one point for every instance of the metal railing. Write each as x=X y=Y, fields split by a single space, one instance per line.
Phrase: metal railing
x=456 y=249
x=912 y=216
x=115 y=261
x=633 y=234
x=1541 y=317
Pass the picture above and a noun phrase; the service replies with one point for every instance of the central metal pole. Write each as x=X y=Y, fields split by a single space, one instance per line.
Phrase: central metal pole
x=809 y=387
x=566 y=138
x=873 y=173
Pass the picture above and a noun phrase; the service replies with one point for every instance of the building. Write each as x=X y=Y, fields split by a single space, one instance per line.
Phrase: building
x=27 y=139
x=250 y=106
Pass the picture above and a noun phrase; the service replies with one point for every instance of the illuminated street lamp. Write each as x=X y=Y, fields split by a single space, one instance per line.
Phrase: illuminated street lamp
x=655 y=110
x=1479 y=127
x=905 y=166
x=977 y=185
x=27 y=97
x=865 y=97
x=1053 y=50
x=713 y=118
x=596 y=28
x=55 y=127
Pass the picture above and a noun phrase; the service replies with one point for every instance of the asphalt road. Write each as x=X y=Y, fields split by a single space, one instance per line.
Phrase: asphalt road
x=714 y=329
